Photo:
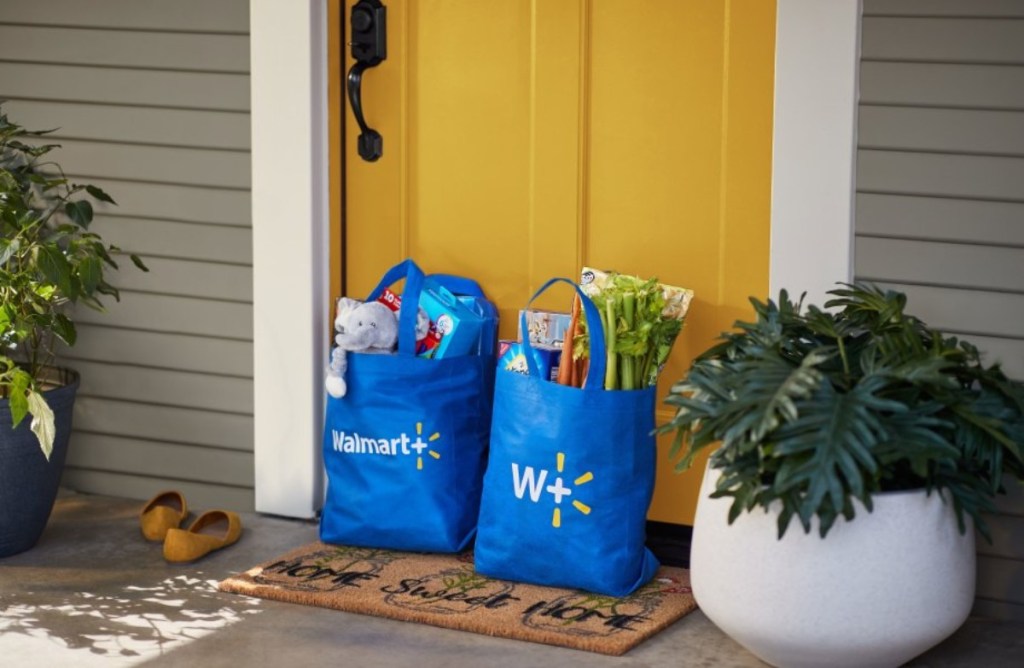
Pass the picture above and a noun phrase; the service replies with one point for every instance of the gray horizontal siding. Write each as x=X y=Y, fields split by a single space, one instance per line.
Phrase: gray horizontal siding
x=943 y=130
x=975 y=266
x=999 y=580
x=174 y=460
x=174 y=314
x=942 y=85
x=196 y=241
x=940 y=200
x=945 y=8
x=200 y=495
x=940 y=175
x=1007 y=539
x=104 y=342
x=169 y=424
x=166 y=387
x=175 y=202
x=1003 y=351
x=150 y=102
x=101 y=85
x=913 y=39
x=941 y=219
x=199 y=16
x=227 y=130
x=190 y=278
x=203 y=168
x=964 y=311
x=122 y=48
x=1012 y=503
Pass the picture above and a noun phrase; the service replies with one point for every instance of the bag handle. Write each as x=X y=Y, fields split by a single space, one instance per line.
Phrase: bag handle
x=595 y=377
x=459 y=285
x=414 y=282
x=414 y=279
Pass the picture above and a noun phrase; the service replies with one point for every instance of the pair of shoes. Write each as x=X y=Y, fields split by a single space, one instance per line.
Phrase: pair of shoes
x=164 y=513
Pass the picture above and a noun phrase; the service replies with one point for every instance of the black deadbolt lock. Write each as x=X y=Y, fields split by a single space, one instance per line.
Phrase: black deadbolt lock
x=369 y=48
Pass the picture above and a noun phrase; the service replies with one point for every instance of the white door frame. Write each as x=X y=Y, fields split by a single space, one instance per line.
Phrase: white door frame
x=817 y=53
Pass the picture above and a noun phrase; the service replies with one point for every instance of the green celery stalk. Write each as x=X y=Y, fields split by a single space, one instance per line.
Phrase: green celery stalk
x=610 y=321
x=629 y=314
x=645 y=367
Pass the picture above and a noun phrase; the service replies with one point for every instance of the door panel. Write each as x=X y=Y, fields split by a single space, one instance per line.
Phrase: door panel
x=523 y=140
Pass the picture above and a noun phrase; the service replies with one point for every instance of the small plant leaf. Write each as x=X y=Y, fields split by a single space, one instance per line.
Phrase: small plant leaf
x=64 y=329
x=90 y=272
x=99 y=194
x=20 y=381
x=79 y=212
x=8 y=247
x=42 y=422
x=55 y=268
x=137 y=261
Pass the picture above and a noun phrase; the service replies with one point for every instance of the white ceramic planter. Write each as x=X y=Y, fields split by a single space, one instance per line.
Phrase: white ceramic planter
x=877 y=591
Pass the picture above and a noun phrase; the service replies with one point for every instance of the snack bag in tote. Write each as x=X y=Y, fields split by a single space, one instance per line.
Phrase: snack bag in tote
x=405 y=448
x=569 y=479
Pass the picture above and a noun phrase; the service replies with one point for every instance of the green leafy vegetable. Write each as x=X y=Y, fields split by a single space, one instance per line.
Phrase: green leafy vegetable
x=640 y=325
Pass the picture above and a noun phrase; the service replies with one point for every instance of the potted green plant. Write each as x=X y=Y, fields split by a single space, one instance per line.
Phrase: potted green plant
x=882 y=439
x=49 y=260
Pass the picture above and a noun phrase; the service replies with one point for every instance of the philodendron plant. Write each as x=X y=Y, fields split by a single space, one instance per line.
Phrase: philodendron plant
x=815 y=408
x=48 y=260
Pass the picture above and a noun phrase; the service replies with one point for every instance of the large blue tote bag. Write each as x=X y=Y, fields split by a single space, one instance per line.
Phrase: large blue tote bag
x=405 y=448
x=569 y=479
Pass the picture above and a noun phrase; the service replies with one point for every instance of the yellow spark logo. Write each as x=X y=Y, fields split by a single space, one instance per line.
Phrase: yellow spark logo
x=419 y=446
x=558 y=491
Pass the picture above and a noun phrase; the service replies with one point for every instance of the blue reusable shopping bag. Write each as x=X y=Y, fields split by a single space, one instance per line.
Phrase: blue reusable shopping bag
x=405 y=448
x=569 y=479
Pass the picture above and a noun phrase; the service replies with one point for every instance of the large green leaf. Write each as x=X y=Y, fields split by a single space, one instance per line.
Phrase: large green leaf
x=828 y=454
x=767 y=388
x=42 y=422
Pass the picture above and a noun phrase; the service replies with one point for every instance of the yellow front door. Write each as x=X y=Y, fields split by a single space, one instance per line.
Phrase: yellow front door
x=524 y=139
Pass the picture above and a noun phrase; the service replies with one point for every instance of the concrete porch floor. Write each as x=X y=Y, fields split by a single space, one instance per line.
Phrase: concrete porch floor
x=93 y=592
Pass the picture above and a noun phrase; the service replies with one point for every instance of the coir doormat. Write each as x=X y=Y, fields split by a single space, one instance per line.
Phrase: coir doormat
x=444 y=590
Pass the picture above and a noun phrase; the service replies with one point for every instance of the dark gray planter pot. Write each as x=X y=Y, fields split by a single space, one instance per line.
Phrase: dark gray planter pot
x=28 y=483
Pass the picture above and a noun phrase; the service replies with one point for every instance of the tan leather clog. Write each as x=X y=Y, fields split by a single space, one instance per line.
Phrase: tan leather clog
x=211 y=531
x=164 y=511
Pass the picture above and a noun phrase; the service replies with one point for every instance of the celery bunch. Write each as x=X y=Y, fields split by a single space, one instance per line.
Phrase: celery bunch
x=640 y=328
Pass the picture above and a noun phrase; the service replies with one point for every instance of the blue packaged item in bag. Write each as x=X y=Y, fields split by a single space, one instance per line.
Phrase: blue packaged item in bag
x=472 y=297
x=405 y=448
x=569 y=479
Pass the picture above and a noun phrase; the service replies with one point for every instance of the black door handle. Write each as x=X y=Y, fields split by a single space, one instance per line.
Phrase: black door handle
x=369 y=48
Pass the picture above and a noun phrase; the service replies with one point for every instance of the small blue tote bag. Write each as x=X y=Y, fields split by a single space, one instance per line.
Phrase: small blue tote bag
x=569 y=479
x=405 y=448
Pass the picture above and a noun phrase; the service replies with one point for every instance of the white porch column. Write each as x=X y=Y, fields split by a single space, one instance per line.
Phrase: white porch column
x=290 y=255
x=817 y=54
